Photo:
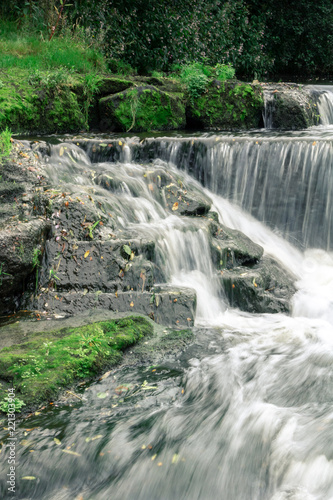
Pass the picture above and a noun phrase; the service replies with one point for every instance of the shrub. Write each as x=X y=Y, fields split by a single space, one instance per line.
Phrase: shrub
x=195 y=78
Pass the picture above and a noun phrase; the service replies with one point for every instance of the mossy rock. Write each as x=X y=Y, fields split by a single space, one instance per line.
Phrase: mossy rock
x=41 y=368
x=142 y=108
x=27 y=107
x=226 y=106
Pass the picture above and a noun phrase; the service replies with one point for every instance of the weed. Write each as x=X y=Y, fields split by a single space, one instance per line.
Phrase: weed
x=90 y=229
x=5 y=143
x=2 y=273
x=6 y=405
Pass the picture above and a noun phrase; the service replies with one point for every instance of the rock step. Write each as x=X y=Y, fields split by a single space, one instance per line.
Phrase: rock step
x=170 y=306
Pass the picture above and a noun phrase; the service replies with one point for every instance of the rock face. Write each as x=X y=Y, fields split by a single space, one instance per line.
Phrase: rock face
x=142 y=108
x=64 y=247
x=22 y=233
x=226 y=106
x=288 y=106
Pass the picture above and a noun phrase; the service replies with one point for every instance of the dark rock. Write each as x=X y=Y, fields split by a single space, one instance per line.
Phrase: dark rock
x=169 y=306
x=266 y=288
x=231 y=248
x=185 y=202
x=21 y=245
x=289 y=107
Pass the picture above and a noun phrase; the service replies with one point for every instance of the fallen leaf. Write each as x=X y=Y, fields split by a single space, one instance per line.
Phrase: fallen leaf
x=29 y=478
x=57 y=441
x=61 y=152
x=70 y=452
x=175 y=206
x=102 y=395
x=106 y=375
x=88 y=439
x=86 y=254
x=132 y=304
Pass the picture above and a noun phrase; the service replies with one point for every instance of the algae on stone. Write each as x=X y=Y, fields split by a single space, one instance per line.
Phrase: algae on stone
x=41 y=368
x=226 y=106
x=142 y=108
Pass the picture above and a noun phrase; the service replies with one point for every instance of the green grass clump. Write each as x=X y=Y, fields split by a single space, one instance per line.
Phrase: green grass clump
x=32 y=51
x=5 y=143
x=41 y=368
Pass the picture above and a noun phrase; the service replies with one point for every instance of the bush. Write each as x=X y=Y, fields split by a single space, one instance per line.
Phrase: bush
x=224 y=72
x=195 y=78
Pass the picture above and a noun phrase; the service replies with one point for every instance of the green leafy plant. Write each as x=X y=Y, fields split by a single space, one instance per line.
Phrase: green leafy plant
x=6 y=405
x=224 y=71
x=195 y=78
x=91 y=228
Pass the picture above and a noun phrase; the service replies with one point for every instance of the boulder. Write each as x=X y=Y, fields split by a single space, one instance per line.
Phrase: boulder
x=142 y=108
x=226 y=106
x=265 y=288
x=231 y=248
x=289 y=106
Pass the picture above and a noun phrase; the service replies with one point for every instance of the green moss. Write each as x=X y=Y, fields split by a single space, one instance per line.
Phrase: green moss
x=41 y=368
x=47 y=105
x=145 y=109
x=227 y=106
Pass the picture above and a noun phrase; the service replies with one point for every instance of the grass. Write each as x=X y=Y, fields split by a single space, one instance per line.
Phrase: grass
x=32 y=51
x=41 y=368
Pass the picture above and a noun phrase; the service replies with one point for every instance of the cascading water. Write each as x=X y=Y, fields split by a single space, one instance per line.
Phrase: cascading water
x=245 y=411
x=324 y=97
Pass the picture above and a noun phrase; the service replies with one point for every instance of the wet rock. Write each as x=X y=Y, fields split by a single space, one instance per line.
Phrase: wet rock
x=231 y=248
x=170 y=306
x=21 y=247
x=265 y=288
x=185 y=202
x=290 y=107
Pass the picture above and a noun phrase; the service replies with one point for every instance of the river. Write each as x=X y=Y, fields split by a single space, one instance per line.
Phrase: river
x=244 y=411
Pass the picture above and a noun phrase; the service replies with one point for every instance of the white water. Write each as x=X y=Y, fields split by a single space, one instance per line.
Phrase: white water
x=251 y=418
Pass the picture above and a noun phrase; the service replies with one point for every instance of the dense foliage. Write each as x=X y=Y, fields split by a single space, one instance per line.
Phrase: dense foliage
x=262 y=38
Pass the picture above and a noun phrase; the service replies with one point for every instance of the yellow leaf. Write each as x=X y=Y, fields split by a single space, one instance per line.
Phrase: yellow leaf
x=160 y=464
x=254 y=282
x=86 y=254
x=61 y=152
x=70 y=452
x=132 y=304
x=175 y=458
x=29 y=478
x=120 y=143
x=57 y=441
x=314 y=143
x=175 y=206
x=153 y=457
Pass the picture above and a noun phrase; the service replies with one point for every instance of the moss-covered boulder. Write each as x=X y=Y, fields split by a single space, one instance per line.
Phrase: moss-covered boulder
x=226 y=106
x=38 y=104
x=142 y=108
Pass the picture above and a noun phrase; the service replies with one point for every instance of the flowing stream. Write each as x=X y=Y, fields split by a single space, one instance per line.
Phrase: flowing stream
x=244 y=412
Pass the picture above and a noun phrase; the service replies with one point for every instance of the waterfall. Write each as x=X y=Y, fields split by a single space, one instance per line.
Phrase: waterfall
x=324 y=100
